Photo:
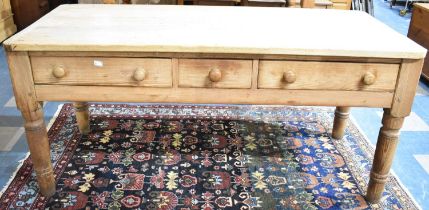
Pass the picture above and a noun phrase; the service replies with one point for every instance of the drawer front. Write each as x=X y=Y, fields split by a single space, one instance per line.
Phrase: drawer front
x=327 y=75
x=145 y=72
x=202 y=73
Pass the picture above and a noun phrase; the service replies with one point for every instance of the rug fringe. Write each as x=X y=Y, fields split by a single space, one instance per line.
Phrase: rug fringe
x=21 y=162
x=392 y=172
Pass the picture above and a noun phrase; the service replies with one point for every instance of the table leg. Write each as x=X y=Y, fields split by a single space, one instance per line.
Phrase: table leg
x=384 y=153
x=32 y=112
x=82 y=116
x=340 y=121
x=38 y=143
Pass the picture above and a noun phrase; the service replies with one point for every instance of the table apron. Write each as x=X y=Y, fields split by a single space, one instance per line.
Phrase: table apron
x=214 y=96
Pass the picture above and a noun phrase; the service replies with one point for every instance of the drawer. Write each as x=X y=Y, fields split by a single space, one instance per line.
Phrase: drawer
x=204 y=73
x=145 y=72
x=327 y=75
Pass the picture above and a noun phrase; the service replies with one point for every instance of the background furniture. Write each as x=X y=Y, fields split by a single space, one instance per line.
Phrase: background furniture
x=341 y=4
x=419 y=31
x=408 y=3
x=216 y=2
x=320 y=4
x=7 y=26
x=264 y=3
x=171 y=2
x=190 y=55
x=27 y=12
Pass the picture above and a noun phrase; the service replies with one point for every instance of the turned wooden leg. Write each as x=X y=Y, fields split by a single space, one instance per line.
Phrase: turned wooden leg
x=340 y=122
x=384 y=153
x=37 y=138
x=32 y=112
x=82 y=116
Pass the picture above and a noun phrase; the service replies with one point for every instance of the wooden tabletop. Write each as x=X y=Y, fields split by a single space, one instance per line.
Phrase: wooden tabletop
x=205 y=29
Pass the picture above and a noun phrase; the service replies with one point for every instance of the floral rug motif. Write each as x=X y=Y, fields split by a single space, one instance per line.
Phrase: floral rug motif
x=185 y=157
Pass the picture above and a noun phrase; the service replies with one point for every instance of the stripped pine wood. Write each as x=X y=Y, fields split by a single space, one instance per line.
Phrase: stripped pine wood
x=255 y=72
x=82 y=116
x=103 y=71
x=200 y=73
x=406 y=86
x=180 y=54
x=216 y=96
x=215 y=56
x=340 y=122
x=165 y=28
x=386 y=146
x=327 y=75
x=32 y=112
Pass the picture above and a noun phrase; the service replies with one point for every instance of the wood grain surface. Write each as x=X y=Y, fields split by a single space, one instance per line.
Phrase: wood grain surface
x=215 y=96
x=201 y=29
x=233 y=73
x=103 y=71
x=327 y=75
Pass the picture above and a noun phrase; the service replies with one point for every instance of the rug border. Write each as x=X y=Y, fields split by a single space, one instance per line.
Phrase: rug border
x=21 y=162
x=392 y=172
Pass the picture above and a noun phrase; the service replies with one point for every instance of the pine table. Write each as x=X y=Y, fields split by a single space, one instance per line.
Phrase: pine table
x=228 y=55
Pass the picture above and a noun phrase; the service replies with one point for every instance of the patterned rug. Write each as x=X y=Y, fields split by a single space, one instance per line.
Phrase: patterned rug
x=204 y=157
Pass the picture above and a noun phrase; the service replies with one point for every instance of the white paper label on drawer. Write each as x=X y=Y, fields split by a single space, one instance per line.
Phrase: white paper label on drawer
x=98 y=63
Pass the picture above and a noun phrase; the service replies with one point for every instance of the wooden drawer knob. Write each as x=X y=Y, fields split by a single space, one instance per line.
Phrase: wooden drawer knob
x=289 y=77
x=139 y=74
x=59 y=72
x=215 y=75
x=368 y=78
